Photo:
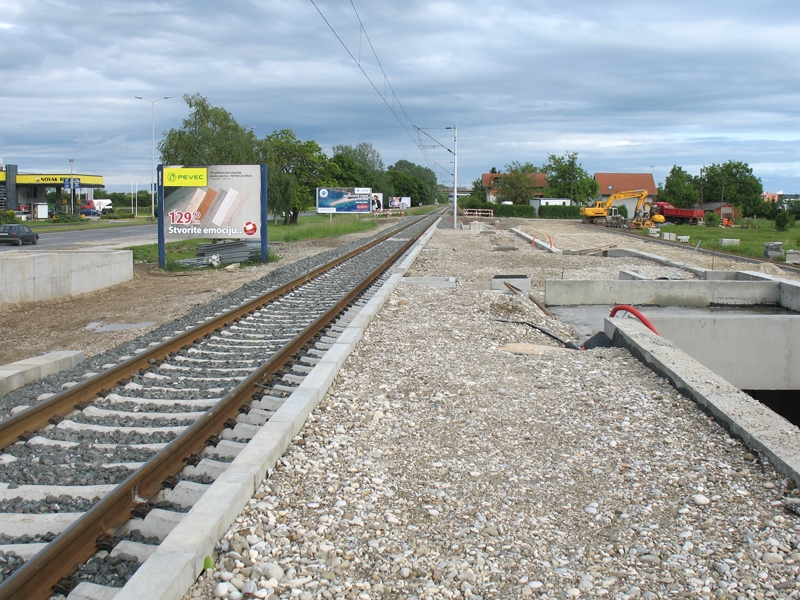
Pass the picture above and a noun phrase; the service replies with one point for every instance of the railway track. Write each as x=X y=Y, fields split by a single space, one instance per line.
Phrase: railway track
x=112 y=464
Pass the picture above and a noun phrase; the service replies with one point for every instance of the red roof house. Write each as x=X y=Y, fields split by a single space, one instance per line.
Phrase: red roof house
x=488 y=182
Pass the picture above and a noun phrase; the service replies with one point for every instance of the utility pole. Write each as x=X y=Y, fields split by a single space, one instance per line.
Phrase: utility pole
x=153 y=163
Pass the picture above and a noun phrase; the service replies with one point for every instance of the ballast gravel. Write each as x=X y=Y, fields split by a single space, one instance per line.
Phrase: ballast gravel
x=441 y=465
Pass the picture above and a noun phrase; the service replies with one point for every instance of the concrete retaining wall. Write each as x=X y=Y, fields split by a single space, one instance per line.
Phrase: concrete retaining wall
x=34 y=276
x=673 y=293
x=753 y=352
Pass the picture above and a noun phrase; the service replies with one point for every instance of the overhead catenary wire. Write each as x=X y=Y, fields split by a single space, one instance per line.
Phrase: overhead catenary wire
x=384 y=96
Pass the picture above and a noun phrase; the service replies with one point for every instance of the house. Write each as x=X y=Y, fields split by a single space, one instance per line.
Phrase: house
x=611 y=183
x=488 y=181
x=537 y=202
x=723 y=209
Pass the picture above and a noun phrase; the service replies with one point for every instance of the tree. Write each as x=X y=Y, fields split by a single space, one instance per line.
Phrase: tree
x=518 y=184
x=404 y=184
x=347 y=172
x=209 y=135
x=370 y=160
x=477 y=194
x=679 y=189
x=425 y=176
x=304 y=161
x=733 y=182
x=567 y=179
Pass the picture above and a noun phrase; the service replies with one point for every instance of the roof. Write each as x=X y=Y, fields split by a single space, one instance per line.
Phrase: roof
x=610 y=183
x=488 y=179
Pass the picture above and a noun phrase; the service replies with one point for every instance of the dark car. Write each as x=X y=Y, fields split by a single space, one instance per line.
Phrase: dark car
x=18 y=234
x=90 y=212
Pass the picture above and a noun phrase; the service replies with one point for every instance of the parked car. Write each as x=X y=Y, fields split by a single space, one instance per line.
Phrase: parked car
x=22 y=215
x=90 y=212
x=18 y=234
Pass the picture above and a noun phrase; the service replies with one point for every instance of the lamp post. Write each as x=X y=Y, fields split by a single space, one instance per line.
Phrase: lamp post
x=153 y=162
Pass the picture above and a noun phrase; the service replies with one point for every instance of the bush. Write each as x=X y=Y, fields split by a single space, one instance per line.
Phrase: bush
x=8 y=217
x=559 y=212
x=711 y=219
x=118 y=215
x=783 y=221
x=623 y=211
x=66 y=218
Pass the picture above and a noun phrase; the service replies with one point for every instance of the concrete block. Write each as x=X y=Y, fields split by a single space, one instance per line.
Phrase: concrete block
x=15 y=525
x=670 y=237
x=631 y=276
x=655 y=293
x=22 y=372
x=790 y=295
x=158 y=523
x=683 y=239
x=92 y=591
x=793 y=257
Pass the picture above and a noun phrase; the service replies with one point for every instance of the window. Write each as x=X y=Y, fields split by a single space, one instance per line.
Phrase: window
x=611 y=187
x=32 y=192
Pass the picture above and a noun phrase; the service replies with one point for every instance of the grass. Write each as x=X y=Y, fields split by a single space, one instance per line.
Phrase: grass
x=753 y=234
x=319 y=226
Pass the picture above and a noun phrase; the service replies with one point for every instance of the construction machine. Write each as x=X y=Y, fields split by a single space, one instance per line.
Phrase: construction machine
x=598 y=213
x=641 y=214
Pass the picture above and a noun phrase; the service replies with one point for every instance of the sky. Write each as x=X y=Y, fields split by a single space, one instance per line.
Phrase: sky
x=630 y=85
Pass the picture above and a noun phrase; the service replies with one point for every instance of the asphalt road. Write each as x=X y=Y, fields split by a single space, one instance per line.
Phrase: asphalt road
x=108 y=238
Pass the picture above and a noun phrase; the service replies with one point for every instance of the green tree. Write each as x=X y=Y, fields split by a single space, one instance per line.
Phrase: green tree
x=477 y=193
x=209 y=135
x=304 y=161
x=404 y=184
x=422 y=174
x=517 y=184
x=680 y=189
x=566 y=178
x=370 y=160
x=734 y=182
x=347 y=172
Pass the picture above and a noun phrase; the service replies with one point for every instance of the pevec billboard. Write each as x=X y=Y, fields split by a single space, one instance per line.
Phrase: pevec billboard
x=344 y=200
x=212 y=202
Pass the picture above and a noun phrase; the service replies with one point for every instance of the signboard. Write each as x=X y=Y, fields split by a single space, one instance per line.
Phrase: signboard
x=344 y=200
x=212 y=202
x=218 y=201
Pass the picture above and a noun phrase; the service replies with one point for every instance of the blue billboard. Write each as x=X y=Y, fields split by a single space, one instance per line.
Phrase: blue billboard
x=344 y=200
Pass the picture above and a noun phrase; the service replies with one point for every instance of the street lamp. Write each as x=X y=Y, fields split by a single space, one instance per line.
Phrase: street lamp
x=153 y=163
x=455 y=175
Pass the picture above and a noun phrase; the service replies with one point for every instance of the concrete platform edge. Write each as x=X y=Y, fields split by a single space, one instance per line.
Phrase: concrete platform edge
x=756 y=425
x=173 y=568
x=541 y=245
x=22 y=372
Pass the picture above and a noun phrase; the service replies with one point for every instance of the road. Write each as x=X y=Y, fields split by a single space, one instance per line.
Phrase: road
x=107 y=239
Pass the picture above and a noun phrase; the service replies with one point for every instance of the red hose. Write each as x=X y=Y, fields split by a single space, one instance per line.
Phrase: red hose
x=635 y=313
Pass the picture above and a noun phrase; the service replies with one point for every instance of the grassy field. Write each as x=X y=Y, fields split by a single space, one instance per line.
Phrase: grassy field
x=752 y=235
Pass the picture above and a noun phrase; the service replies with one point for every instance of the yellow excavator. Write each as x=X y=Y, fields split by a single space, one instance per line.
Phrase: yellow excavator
x=641 y=214
x=598 y=213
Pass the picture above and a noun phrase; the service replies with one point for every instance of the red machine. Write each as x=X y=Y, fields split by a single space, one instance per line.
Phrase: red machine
x=677 y=215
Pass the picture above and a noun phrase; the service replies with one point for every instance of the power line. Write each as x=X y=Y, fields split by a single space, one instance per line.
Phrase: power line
x=384 y=96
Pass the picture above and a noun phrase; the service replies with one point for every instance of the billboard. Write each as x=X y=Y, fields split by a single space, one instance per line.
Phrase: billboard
x=215 y=201
x=344 y=200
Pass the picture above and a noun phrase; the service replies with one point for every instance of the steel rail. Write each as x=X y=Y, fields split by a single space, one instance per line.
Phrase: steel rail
x=22 y=425
x=76 y=544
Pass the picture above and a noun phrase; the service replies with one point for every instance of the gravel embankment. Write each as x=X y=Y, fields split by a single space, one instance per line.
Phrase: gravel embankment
x=440 y=465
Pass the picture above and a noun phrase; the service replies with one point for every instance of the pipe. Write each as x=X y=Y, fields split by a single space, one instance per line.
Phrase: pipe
x=635 y=312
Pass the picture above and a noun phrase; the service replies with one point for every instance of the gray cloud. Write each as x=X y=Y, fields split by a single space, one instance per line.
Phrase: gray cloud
x=629 y=85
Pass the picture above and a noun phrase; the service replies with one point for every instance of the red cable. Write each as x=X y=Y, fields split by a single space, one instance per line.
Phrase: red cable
x=636 y=314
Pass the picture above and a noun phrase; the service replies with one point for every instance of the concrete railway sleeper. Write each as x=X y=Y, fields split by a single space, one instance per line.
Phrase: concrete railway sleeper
x=146 y=437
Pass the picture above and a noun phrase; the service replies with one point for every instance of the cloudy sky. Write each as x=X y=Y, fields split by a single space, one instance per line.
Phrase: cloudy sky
x=631 y=85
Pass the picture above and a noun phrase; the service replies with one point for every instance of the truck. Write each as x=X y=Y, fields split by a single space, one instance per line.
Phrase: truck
x=664 y=212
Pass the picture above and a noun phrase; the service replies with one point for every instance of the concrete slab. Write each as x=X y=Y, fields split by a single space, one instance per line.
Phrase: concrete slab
x=756 y=425
x=539 y=244
x=521 y=282
x=91 y=591
x=22 y=372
